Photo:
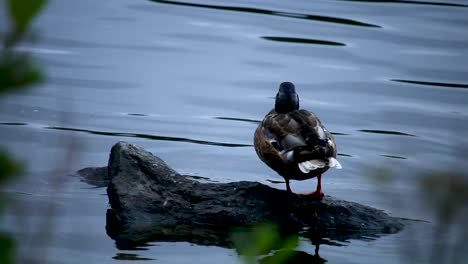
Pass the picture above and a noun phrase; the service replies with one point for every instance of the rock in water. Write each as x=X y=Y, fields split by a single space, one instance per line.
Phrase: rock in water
x=151 y=202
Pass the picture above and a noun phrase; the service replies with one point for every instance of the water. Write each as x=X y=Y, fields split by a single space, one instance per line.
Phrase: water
x=189 y=81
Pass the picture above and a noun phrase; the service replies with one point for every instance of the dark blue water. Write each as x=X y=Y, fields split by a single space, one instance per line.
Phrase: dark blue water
x=190 y=80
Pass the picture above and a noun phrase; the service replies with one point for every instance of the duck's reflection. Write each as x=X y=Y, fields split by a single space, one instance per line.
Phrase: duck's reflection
x=265 y=243
x=269 y=244
x=296 y=257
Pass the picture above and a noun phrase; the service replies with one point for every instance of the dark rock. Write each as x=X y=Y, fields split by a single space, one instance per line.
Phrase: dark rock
x=152 y=202
x=97 y=176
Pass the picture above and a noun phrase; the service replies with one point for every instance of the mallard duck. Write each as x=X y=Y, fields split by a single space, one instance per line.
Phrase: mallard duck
x=293 y=141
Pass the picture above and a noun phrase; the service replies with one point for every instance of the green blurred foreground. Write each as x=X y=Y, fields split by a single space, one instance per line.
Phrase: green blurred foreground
x=16 y=71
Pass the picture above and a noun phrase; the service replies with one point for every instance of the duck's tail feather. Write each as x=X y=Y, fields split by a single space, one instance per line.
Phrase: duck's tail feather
x=333 y=163
x=310 y=165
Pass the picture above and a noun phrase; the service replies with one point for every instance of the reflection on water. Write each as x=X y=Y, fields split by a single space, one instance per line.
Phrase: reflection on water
x=298 y=257
x=266 y=243
x=127 y=256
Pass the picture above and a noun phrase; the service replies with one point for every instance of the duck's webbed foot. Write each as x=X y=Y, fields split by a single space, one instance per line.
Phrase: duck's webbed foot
x=317 y=194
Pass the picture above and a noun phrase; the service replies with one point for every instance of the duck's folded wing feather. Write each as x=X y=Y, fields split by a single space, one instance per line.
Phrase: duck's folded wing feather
x=283 y=128
x=299 y=136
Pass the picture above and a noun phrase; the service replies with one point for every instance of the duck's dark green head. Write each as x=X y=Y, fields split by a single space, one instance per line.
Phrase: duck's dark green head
x=287 y=99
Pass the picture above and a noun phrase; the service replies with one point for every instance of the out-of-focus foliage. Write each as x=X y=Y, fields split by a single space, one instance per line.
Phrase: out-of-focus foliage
x=6 y=249
x=21 y=14
x=8 y=167
x=263 y=240
x=16 y=71
x=446 y=196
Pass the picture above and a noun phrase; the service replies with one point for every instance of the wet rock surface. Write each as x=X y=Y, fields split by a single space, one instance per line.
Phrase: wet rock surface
x=149 y=201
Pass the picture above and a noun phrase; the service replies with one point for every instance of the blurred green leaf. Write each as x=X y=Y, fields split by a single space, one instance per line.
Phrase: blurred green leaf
x=6 y=249
x=380 y=176
x=446 y=194
x=286 y=252
x=22 y=11
x=262 y=240
x=18 y=71
x=8 y=167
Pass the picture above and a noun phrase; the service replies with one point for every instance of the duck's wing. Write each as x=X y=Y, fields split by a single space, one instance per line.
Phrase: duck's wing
x=300 y=137
x=282 y=131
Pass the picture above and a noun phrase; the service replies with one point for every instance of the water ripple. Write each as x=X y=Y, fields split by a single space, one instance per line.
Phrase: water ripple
x=238 y=119
x=258 y=122
x=125 y=134
x=339 y=134
x=451 y=85
x=13 y=124
x=67 y=64
x=393 y=157
x=409 y=2
x=304 y=41
x=89 y=83
x=388 y=132
x=328 y=19
x=136 y=114
x=73 y=43
x=147 y=136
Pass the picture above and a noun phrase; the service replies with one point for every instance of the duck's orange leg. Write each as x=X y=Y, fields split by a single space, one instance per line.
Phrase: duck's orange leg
x=288 y=188
x=318 y=193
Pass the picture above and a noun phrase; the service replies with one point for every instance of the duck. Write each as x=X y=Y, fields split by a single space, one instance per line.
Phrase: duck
x=294 y=142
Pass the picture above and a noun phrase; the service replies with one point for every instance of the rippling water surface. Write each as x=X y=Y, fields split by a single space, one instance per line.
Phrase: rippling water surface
x=191 y=80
